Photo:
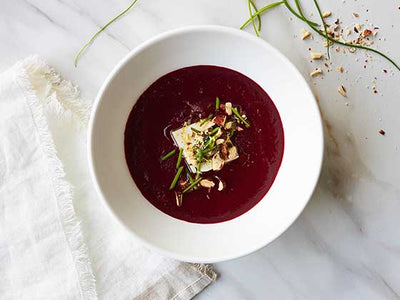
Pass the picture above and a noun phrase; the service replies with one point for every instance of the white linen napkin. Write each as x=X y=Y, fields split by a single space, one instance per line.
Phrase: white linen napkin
x=45 y=253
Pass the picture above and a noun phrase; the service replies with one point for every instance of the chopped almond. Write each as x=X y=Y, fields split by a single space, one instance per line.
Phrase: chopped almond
x=326 y=14
x=316 y=55
x=316 y=72
x=366 y=32
x=306 y=34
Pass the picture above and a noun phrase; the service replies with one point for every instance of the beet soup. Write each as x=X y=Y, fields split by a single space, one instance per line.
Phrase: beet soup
x=204 y=144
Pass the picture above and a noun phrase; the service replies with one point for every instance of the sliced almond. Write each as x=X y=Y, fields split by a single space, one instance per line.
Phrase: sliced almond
x=179 y=199
x=326 y=14
x=217 y=162
x=228 y=108
x=316 y=72
x=207 y=183
x=233 y=153
x=228 y=125
x=342 y=91
x=219 y=141
x=316 y=55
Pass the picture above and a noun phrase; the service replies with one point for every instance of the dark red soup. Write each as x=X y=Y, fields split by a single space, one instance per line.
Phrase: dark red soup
x=187 y=97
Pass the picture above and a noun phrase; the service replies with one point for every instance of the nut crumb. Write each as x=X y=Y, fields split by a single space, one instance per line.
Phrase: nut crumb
x=340 y=69
x=356 y=15
x=366 y=33
x=342 y=91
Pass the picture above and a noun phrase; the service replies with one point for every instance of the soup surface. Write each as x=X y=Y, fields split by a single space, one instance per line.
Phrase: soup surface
x=204 y=192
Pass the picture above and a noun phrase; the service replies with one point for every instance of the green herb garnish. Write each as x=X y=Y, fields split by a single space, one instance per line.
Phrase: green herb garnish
x=258 y=16
x=191 y=179
x=198 y=168
x=206 y=120
x=195 y=130
x=240 y=117
x=99 y=31
x=217 y=103
x=192 y=185
x=209 y=149
x=178 y=163
x=168 y=155
x=178 y=173
x=215 y=130
x=249 y=2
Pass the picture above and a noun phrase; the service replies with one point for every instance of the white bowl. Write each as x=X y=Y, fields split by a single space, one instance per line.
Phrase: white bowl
x=294 y=183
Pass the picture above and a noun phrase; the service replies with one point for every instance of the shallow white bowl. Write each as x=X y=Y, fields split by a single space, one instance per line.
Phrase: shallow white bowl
x=296 y=179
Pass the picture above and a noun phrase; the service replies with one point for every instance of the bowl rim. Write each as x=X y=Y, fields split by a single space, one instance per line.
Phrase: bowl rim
x=114 y=72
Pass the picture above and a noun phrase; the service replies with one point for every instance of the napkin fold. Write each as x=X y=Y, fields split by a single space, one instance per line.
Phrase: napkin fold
x=45 y=252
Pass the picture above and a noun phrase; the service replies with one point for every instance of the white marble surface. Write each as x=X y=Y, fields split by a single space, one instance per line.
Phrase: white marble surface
x=346 y=244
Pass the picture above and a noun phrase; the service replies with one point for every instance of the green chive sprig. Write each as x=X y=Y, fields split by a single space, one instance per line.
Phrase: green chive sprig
x=178 y=163
x=217 y=101
x=240 y=117
x=168 y=155
x=195 y=130
x=192 y=185
x=83 y=49
x=206 y=120
x=215 y=130
x=173 y=183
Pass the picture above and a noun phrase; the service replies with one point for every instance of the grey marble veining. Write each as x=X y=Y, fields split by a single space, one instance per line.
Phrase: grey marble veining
x=346 y=243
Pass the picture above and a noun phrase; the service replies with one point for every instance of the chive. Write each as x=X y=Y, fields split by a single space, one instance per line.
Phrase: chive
x=173 y=184
x=312 y=26
x=209 y=149
x=258 y=16
x=198 y=169
x=192 y=185
x=267 y=7
x=217 y=103
x=168 y=155
x=191 y=179
x=209 y=142
x=83 y=49
x=195 y=130
x=240 y=117
x=206 y=120
x=252 y=19
x=323 y=24
x=178 y=163
x=215 y=130
x=232 y=132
